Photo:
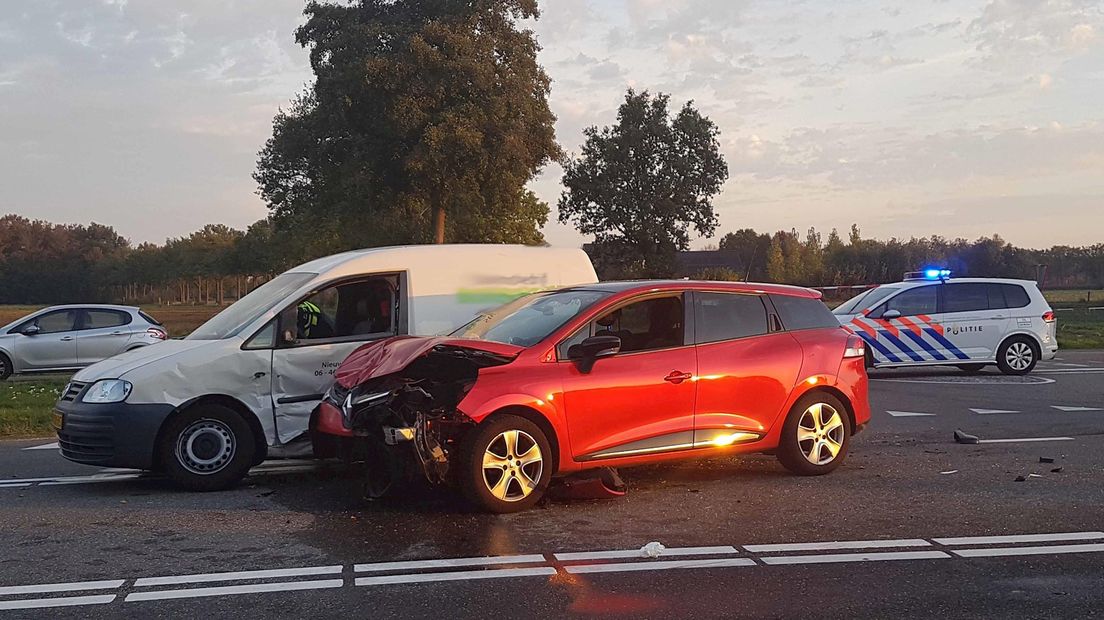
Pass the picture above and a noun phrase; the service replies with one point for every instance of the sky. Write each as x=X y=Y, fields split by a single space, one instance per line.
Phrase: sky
x=908 y=118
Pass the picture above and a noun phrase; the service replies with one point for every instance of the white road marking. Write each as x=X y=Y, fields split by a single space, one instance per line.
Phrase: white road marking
x=1019 y=538
x=448 y=563
x=1025 y=440
x=61 y=601
x=975 y=381
x=620 y=567
x=991 y=411
x=1071 y=371
x=74 y=586
x=1062 y=408
x=95 y=478
x=1013 y=551
x=499 y=573
x=833 y=545
x=908 y=414
x=238 y=575
x=854 y=557
x=635 y=553
x=15 y=486
x=284 y=586
x=120 y=475
x=47 y=446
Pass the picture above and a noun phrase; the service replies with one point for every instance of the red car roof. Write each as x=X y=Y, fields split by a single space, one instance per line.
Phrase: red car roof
x=639 y=286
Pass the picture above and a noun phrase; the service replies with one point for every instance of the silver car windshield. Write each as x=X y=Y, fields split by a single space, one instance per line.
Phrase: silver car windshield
x=247 y=309
x=863 y=300
x=530 y=319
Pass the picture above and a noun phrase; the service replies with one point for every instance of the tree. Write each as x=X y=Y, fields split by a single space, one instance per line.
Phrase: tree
x=750 y=249
x=642 y=184
x=425 y=122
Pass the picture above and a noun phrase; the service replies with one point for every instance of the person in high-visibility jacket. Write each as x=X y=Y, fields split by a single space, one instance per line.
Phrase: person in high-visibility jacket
x=307 y=319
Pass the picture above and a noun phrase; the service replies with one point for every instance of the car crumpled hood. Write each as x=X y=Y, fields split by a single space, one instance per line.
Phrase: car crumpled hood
x=385 y=357
x=116 y=367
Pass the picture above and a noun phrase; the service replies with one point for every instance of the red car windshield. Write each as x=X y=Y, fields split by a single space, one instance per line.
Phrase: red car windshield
x=528 y=320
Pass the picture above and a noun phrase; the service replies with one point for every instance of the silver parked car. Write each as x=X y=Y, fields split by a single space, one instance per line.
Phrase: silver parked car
x=72 y=337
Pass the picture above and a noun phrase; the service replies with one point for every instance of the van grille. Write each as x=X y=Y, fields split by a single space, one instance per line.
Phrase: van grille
x=72 y=391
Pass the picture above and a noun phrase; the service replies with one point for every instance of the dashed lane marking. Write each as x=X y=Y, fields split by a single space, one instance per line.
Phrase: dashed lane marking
x=285 y=586
x=621 y=567
x=855 y=557
x=117 y=475
x=47 y=446
x=1018 y=538
x=991 y=411
x=836 y=545
x=635 y=553
x=1025 y=440
x=497 y=567
x=909 y=414
x=1075 y=409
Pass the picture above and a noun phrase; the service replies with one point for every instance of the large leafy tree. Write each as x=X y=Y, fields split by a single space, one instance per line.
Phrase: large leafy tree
x=425 y=122
x=641 y=185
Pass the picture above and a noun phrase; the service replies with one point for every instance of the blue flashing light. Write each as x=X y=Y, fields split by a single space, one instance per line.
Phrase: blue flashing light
x=931 y=274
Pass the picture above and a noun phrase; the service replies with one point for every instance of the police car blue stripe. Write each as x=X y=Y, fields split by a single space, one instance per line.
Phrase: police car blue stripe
x=946 y=343
x=877 y=346
x=916 y=357
x=932 y=351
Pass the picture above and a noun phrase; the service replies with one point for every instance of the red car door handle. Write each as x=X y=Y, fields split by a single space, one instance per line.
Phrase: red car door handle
x=677 y=377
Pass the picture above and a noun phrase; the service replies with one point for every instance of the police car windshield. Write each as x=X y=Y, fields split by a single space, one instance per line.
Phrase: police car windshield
x=530 y=319
x=863 y=300
x=247 y=309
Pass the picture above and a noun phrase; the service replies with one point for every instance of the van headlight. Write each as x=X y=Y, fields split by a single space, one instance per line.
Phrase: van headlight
x=108 y=391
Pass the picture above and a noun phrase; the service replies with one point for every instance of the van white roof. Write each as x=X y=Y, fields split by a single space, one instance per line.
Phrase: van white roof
x=411 y=256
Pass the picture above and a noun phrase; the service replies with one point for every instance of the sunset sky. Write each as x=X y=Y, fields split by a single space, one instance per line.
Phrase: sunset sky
x=909 y=118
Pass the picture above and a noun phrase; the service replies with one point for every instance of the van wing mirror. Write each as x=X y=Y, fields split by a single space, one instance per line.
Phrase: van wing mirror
x=585 y=353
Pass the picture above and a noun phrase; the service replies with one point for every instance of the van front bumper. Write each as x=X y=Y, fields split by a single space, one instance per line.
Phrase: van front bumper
x=110 y=435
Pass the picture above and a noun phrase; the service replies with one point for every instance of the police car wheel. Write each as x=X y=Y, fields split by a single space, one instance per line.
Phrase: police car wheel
x=206 y=448
x=971 y=369
x=1017 y=356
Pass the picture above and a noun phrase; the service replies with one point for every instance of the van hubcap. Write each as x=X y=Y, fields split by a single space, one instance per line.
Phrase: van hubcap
x=512 y=465
x=205 y=447
x=820 y=433
x=1019 y=355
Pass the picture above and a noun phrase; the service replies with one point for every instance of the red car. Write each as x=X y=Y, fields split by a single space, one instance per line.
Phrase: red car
x=603 y=375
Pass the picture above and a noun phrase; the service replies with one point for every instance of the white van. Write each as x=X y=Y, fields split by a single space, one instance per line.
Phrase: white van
x=241 y=387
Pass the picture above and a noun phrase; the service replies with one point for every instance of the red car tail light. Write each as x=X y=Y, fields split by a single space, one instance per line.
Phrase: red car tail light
x=159 y=334
x=1048 y=316
x=856 y=347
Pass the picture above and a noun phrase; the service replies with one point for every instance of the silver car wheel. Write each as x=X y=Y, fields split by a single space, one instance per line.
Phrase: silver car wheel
x=1019 y=356
x=512 y=465
x=820 y=433
x=205 y=447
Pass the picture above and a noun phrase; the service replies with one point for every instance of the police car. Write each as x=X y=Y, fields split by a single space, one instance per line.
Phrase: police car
x=931 y=318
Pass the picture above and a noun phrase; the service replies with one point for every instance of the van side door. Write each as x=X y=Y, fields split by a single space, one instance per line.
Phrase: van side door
x=317 y=333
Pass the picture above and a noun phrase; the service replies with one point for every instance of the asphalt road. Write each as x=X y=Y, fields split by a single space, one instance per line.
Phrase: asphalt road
x=904 y=514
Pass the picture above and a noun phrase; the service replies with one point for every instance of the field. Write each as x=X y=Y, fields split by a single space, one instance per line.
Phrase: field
x=26 y=407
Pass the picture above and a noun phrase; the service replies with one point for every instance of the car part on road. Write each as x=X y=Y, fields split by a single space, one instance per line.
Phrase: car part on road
x=815 y=436
x=207 y=447
x=601 y=483
x=961 y=437
x=1017 y=355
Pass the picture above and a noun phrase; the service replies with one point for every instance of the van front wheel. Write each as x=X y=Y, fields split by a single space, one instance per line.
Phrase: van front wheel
x=207 y=448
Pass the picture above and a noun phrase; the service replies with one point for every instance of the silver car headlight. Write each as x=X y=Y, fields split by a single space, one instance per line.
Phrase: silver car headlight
x=108 y=391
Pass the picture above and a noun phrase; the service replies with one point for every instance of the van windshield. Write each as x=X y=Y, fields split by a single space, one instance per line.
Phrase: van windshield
x=530 y=319
x=247 y=309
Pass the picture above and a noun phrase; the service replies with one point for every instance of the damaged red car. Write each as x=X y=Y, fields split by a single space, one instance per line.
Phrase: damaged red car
x=605 y=375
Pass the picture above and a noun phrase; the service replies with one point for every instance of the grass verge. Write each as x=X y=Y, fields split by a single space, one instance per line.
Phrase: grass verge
x=26 y=407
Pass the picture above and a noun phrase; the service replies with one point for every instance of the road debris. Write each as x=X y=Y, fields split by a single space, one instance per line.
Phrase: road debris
x=1046 y=459
x=652 y=550
x=1057 y=470
x=1021 y=479
x=961 y=437
x=950 y=471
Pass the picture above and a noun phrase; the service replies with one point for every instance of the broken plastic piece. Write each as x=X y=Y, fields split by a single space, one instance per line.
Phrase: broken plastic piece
x=603 y=483
x=1021 y=479
x=652 y=550
x=1045 y=459
x=949 y=471
x=1034 y=475
x=961 y=437
x=1057 y=470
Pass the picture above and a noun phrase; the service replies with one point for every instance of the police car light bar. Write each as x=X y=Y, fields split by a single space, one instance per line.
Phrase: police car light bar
x=928 y=274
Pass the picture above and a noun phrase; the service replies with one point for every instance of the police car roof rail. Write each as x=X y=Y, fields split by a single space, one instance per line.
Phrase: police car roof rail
x=928 y=274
